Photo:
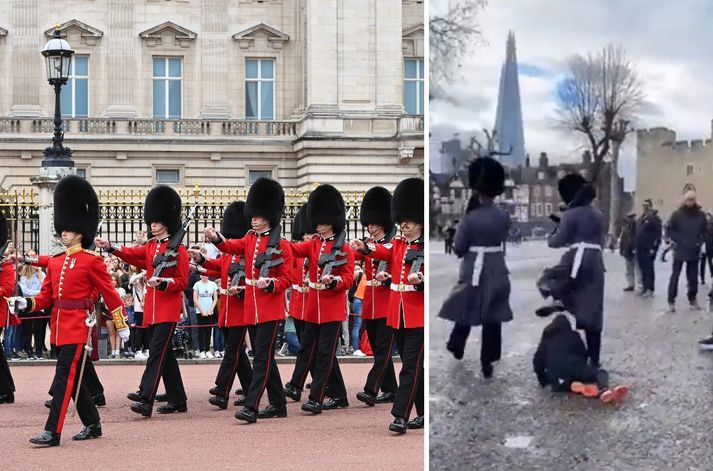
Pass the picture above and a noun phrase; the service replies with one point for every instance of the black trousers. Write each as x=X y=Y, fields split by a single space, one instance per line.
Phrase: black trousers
x=490 y=346
x=691 y=278
x=706 y=258
x=162 y=364
x=410 y=391
x=91 y=380
x=66 y=379
x=265 y=372
x=7 y=385
x=39 y=328
x=594 y=346
x=306 y=333
x=27 y=333
x=234 y=362
x=646 y=264
x=382 y=375
x=327 y=376
x=141 y=341
x=204 y=333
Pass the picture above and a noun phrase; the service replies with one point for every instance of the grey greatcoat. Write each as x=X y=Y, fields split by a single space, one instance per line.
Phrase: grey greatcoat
x=489 y=302
x=585 y=297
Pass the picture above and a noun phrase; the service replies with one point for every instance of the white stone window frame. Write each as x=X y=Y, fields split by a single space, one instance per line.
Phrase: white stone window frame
x=259 y=81
x=167 y=79
x=258 y=168
x=71 y=78
x=419 y=80
x=164 y=167
x=548 y=208
x=538 y=209
x=85 y=169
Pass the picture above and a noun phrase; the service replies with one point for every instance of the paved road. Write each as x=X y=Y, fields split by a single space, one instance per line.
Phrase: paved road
x=509 y=422
x=205 y=438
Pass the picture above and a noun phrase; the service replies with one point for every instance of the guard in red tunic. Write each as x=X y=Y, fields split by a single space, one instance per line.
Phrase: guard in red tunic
x=163 y=302
x=72 y=276
x=375 y=216
x=405 y=315
x=268 y=273
x=7 y=287
x=231 y=318
x=331 y=274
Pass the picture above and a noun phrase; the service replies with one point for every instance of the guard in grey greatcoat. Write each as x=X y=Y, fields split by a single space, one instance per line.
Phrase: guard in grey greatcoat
x=582 y=230
x=482 y=295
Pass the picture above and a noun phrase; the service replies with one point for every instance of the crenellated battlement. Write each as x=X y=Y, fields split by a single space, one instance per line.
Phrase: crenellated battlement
x=664 y=137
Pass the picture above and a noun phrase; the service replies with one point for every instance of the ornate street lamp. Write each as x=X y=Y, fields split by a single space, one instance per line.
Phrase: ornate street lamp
x=58 y=58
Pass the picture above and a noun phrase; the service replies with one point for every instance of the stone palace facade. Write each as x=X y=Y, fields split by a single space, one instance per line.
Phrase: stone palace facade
x=218 y=92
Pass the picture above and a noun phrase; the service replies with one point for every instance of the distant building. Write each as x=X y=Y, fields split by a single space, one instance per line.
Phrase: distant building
x=509 y=133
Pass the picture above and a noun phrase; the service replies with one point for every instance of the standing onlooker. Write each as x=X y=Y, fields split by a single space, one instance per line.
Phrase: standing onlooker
x=193 y=278
x=627 y=250
x=360 y=282
x=707 y=252
x=30 y=285
x=114 y=339
x=218 y=339
x=648 y=238
x=449 y=234
x=205 y=297
x=131 y=320
x=140 y=342
x=686 y=228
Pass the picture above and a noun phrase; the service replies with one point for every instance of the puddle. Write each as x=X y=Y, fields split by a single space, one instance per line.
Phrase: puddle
x=519 y=442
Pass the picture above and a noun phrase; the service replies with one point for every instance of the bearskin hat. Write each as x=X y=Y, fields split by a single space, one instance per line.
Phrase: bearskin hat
x=487 y=176
x=571 y=184
x=300 y=225
x=234 y=225
x=407 y=201
x=325 y=205
x=4 y=232
x=76 y=208
x=266 y=199
x=163 y=205
x=376 y=208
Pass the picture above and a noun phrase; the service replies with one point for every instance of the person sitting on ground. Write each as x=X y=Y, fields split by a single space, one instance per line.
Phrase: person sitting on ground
x=561 y=362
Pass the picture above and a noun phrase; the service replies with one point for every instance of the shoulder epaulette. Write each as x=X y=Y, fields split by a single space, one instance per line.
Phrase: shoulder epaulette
x=58 y=254
x=92 y=252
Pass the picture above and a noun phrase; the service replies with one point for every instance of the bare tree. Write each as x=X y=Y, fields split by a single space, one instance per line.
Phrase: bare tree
x=451 y=36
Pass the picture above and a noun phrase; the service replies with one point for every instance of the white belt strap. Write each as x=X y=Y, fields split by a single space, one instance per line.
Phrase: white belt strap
x=580 y=247
x=317 y=286
x=402 y=287
x=479 y=257
x=297 y=288
x=249 y=282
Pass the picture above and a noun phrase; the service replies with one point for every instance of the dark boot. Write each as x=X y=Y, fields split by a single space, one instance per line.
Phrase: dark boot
x=219 y=401
x=271 y=412
x=335 y=403
x=366 y=397
x=387 y=397
x=144 y=408
x=46 y=438
x=292 y=392
x=416 y=423
x=246 y=415
x=90 y=431
x=399 y=425
x=312 y=406
x=171 y=407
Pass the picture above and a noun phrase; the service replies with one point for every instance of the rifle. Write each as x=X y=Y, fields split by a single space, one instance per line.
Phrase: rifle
x=99 y=231
x=415 y=258
x=383 y=264
x=264 y=260
x=168 y=258
x=327 y=261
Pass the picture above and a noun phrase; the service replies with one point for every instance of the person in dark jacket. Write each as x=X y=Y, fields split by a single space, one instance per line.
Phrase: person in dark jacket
x=627 y=249
x=686 y=229
x=707 y=253
x=482 y=295
x=648 y=239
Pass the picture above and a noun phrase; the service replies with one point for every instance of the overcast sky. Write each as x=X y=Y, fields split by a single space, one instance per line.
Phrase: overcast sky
x=670 y=43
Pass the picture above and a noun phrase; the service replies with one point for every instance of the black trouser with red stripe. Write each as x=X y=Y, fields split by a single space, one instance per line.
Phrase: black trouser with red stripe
x=410 y=392
x=327 y=374
x=304 y=363
x=7 y=385
x=234 y=362
x=382 y=375
x=91 y=380
x=66 y=377
x=265 y=372
x=162 y=364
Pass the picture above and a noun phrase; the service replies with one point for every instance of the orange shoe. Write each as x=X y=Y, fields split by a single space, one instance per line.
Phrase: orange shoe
x=614 y=395
x=585 y=389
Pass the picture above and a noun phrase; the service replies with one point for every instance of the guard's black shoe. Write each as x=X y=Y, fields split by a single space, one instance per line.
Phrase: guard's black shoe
x=171 y=407
x=292 y=392
x=386 y=398
x=161 y=397
x=487 y=369
x=143 y=408
x=338 y=403
x=90 y=431
x=270 y=412
x=416 y=423
x=46 y=439
x=399 y=425
x=99 y=400
x=456 y=350
x=218 y=401
x=239 y=392
x=48 y=403
x=367 y=398
x=240 y=401
x=7 y=398
x=246 y=415
x=135 y=396
x=216 y=392
x=312 y=406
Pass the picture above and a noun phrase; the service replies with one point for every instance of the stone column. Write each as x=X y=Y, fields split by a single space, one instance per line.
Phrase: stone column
x=46 y=180
x=26 y=59
x=321 y=55
x=213 y=57
x=121 y=60
x=389 y=57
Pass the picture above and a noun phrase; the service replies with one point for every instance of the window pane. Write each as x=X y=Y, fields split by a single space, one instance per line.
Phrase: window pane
x=251 y=100
x=420 y=69
x=266 y=100
x=250 y=69
x=82 y=172
x=253 y=175
x=268 y=69
x=159 y=67
x=81 y=66
x=174 y=67
x=410 y=97
x=81 y=98
x=174 y=99
x=167 y=176
x=159 y=99
x=410 y=68
x=65 y=98
x=420 y=98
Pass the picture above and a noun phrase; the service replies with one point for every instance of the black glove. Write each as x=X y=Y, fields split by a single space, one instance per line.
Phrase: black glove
x=162 y=286
x=270 y=288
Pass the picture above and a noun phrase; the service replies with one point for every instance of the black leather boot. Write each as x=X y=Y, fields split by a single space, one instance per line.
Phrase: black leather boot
x=144 y=408
x=312 y=406
x=416 y=423
x=292 y=392
x=399 y=425
x=46 y=438
x=171 y=407
x=270 y=412
x=239 y=402
x=335 y=403
x=90 y=431
x=219 y=401
x=246 y=415
x=387 y=397
x=366 y=397
x=7 y=398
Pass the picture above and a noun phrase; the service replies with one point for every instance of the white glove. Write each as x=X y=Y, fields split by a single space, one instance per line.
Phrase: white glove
x=21 y=304
x=124 y=334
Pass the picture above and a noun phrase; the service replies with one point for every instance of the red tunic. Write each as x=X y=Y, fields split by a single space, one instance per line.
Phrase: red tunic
x=72 y=277
x=299 y=289
x=232 y=308
x=261 y=306
x=403 y=294
x=376 y=295
x=326 y=305
x=159 y=306
x=7 y=288
x=43 y=261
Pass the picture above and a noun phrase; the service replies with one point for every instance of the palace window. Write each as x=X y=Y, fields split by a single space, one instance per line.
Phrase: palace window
x=538 y=209
x=260 y=89
x=413 y=86
x=253 y=175
x=689 y=170
x=548 y=191
x=167 y=176
x=548 y=208
x=74 y=97
x=82 y=172
x=167 y=87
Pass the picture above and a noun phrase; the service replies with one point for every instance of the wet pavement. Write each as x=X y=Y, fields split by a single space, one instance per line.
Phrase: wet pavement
x=509 y=422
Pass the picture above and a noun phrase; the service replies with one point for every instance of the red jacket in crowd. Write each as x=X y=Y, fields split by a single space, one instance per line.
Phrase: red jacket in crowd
x=232 y=307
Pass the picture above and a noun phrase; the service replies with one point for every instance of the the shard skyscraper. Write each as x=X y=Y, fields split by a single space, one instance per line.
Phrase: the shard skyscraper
x=509 y=134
